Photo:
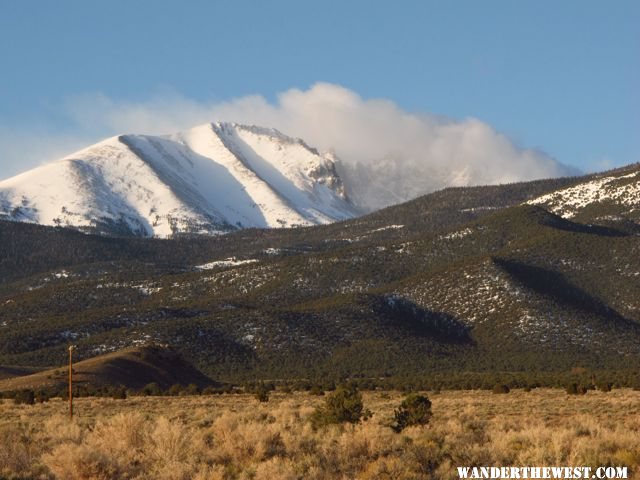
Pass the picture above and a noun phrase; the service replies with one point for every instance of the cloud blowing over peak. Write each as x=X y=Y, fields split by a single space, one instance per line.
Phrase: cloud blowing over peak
x=387 y=155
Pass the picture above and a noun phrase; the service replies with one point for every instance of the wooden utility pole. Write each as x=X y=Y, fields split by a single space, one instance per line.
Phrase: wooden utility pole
x=71 y=348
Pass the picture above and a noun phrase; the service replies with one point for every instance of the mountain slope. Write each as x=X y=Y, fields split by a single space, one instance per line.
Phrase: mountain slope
x=469 y=279
x=33 y=249
x=211 y=179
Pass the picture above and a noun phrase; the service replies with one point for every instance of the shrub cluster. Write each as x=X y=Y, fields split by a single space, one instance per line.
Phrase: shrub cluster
x=342 y=406
x=575 y=389
x=604 y=386
x=262 y=393
x=501 y=388
x=26 y=397
x=414 y=410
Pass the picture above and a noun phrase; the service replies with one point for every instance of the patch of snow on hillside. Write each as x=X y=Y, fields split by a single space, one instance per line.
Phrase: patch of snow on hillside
x=388 y=227
x=477 y=209
x=147 y=290
x=229 y=262
x=569 y=201
x=458 y=234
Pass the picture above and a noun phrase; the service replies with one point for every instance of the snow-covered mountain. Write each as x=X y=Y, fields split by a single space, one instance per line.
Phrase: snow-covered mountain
x=211 y=179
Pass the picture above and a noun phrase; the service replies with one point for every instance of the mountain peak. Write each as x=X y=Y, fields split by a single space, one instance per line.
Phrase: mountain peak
x=213 y=178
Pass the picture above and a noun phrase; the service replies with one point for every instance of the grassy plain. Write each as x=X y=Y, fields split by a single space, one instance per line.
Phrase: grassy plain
x=237 y=437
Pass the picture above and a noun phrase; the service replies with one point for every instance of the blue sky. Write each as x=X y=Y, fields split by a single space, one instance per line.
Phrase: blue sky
x=559 y=76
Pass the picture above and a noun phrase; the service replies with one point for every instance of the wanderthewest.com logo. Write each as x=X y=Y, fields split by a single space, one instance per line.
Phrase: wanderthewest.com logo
x=541 y=472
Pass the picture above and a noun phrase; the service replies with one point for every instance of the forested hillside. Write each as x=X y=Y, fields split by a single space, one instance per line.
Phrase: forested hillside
x=463 y=280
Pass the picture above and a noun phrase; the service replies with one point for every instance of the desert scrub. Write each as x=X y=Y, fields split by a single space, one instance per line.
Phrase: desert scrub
x=230 y=437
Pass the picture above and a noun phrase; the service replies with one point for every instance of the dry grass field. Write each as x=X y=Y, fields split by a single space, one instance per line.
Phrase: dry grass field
x=237 y=437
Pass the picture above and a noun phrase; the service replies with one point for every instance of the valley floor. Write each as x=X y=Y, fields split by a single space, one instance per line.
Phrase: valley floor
x=237 y=437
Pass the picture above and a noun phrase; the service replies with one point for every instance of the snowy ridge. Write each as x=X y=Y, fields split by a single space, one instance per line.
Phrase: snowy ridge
x=621 y=190
x=211 y=179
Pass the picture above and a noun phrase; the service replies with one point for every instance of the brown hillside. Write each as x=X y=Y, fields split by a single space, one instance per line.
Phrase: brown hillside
x=132 y=367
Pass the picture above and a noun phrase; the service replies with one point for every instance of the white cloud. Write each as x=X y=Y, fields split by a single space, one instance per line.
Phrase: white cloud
x=388 y=155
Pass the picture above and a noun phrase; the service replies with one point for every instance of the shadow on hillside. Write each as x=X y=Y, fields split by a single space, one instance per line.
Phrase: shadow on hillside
x=555 y=221
x=555 y=285
x=418 y=321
